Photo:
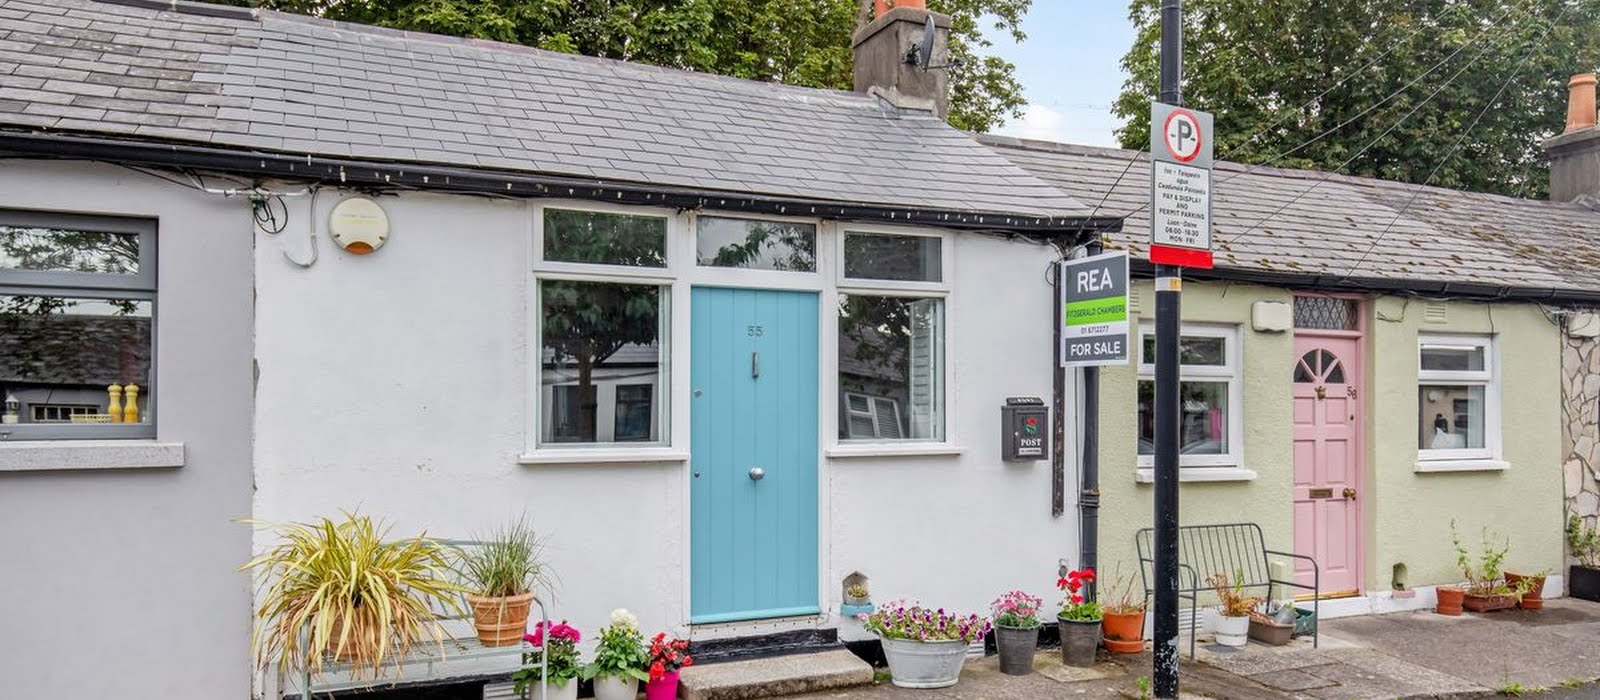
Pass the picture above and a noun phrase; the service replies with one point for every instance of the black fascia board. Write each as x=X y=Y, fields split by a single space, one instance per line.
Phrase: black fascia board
x=355 y=173
x=1381 y=285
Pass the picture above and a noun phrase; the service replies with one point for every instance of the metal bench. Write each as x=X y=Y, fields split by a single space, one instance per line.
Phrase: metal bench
x=460 y=646
x=1232 y=549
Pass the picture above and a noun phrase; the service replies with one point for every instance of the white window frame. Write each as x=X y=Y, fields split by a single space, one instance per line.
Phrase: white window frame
x=1488 y=456
x=871 y=413
x=1230 y=372
x=941 y=290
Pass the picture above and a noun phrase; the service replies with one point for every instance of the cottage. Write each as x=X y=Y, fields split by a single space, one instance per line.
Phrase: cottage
x=724 y=343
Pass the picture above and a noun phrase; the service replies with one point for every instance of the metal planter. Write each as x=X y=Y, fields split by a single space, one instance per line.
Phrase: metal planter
x=1079 y=639
x=1016 y=645
x=914 y=664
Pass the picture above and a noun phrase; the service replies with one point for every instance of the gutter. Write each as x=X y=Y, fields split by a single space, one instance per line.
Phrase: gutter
x=1344 y=283
x=351 y=172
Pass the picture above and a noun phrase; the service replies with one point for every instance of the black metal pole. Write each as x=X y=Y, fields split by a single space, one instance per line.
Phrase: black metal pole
x=1089 y=493
x=1058 y=402
x=1169 y=285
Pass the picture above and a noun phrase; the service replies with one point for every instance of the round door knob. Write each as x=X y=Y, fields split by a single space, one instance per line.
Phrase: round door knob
x=756 y=473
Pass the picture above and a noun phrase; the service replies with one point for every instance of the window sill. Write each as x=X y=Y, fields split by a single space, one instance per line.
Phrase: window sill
x=890 y=449
x=1461 y=465
x=1147 y=475
x=642 y=455
x=81 y=455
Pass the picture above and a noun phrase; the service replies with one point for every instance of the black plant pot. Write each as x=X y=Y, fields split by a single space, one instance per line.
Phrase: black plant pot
x=1583 y=582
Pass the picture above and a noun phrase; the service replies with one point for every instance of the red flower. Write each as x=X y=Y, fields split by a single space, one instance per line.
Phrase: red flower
x=1077 y=598
x=657 y=671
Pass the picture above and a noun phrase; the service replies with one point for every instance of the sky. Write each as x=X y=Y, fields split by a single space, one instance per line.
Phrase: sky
x=1069 y=69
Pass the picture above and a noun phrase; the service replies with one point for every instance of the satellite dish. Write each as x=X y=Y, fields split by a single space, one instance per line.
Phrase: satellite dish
x=925 y=49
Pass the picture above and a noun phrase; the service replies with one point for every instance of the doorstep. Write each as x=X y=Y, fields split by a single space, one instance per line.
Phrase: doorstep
x=777 y=675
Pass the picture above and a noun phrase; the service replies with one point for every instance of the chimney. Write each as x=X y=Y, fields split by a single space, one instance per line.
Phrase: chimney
x=1575 y=154
x=881 y=48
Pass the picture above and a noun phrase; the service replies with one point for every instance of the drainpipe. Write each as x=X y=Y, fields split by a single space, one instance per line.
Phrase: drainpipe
x=1089 y=493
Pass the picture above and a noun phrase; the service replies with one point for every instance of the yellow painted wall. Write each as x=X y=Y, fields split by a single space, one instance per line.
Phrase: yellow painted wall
x=1407 y=514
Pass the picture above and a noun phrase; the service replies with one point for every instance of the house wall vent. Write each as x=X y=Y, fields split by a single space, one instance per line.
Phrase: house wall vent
x=1435 y=312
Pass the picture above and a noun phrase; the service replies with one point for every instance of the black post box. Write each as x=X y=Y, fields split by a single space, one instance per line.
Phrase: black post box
x=1024 y=429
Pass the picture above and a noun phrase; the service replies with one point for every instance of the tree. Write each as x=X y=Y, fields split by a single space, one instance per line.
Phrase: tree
x=1263 y=69
x=796 y=42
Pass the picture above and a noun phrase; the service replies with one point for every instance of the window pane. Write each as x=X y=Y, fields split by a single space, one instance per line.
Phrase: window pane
x=60 y=356
x=1450 y=417
x=1325 y=313
x=1203 y=428
x=756 y=245
x=602 y=364
x=60 y=250
x=887 y=257
x=1452 y=358
x=891 y=367
x=1192 y=350
x=611 y=239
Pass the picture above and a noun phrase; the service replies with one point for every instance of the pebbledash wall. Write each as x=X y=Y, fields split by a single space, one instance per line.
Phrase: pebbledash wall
x=118 y=577
x=395 y=384
x=1407 y=513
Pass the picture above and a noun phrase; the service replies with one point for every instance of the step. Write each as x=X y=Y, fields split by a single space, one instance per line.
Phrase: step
x=778 y=675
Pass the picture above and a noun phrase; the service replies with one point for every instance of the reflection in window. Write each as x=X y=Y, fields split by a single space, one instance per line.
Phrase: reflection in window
x=1451 y=417
x=597 y=338
x=1203 y=426
x=1192 y=350
x=1452 y=358
x=891 y=355
x=75 y=360
x=610 y=239
x=758 y=245
x=889 y=257
x=61 y=250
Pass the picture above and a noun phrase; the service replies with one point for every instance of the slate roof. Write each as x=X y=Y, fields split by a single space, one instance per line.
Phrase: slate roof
x=286 y=83
x=1303 y=222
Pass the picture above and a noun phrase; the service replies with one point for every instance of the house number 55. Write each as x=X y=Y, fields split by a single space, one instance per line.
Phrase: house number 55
x=755 y=331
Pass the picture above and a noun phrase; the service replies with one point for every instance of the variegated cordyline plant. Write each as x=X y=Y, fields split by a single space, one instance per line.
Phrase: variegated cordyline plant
x=341 y=589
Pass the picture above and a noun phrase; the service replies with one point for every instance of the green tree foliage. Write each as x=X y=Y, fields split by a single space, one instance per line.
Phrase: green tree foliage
x=1262 y=68
x=797 y=42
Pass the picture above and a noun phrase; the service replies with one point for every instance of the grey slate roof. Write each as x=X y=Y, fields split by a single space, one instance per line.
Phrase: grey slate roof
x=1303 y=222
x=286 y=83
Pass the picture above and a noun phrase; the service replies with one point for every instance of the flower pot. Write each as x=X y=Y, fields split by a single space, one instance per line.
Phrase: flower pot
x=1079 y=639
x=1488 y=603
x=614 y=688
x=857 y=601
x=1232 y=631
x=1583 y=582
x=1449 y=600
x=552 y=691
x=666 y=688
x=1270 y=633
x=1017 y=645
x=1124 y=632
x=501 y=622
x=1534 y=598
x=914 y=664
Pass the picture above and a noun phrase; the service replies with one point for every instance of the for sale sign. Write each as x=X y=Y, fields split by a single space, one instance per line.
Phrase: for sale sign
x=1180 y=186
x=1094 y=310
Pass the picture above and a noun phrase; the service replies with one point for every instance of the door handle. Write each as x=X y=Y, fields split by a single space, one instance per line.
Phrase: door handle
x=757 y=473
x=1349 y=493
x=755 y=365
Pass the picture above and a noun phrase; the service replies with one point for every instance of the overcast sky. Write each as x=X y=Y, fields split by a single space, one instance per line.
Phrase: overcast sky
x=1069 y=69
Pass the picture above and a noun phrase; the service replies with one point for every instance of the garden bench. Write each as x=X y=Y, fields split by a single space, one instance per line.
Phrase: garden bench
x=1232 y=549
x=466 y=657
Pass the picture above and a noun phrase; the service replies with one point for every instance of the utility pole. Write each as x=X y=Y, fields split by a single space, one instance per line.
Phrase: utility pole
x=1169 y=287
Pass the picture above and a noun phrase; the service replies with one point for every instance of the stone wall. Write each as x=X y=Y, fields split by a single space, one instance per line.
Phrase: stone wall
x=1580 y=434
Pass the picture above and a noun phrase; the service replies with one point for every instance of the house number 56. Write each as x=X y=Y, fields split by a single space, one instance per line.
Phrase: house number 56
x=755 y=331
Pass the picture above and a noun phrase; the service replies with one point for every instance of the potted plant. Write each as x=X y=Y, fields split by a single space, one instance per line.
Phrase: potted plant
x=342 y=589
x=501 y=574
x=1583 y=578
x=553 y=663
x=1016 y=631
x=1123 y=624
x=1233 y=609
x=619 y=659
x=1450 y=599
x=1533 y=584
x=667 y=657
x=1486 y=588
x=857 y=594
x=1079 y=619
x=925 y=647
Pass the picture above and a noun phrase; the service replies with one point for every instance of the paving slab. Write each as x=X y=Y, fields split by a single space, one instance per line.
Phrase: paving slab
x=777 y=675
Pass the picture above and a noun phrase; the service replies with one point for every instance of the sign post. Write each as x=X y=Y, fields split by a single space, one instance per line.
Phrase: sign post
x=1094 y=310
x=1180 y=186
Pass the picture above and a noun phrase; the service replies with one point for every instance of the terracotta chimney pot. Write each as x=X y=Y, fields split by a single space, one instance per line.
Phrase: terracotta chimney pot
x=881 y=6
x=1580 y=102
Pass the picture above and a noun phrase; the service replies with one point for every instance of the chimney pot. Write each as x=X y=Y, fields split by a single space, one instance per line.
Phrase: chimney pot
x=881 y=6
x=1580 y=102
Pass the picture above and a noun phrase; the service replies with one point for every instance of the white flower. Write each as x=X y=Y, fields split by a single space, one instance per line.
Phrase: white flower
x=622 y=618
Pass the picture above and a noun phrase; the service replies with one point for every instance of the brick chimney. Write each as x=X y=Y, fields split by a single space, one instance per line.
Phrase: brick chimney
x=881 y=46
x=1575 y=154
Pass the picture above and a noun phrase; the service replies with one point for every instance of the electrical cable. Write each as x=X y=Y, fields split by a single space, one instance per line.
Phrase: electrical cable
x=1521 y=63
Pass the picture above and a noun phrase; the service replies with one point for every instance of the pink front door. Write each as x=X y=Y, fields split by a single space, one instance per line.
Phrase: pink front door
x=1327 y=459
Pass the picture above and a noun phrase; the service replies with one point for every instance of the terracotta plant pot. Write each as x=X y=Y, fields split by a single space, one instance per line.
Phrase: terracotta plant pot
x=1450 y=600
x=1534 y=598
x=1489 y=603
x=501 y=622
x=1124 y=632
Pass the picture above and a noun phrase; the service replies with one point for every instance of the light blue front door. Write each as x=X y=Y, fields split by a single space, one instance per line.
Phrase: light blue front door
x=753 y=455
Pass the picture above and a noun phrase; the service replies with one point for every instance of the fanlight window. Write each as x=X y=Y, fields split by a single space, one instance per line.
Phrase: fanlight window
x=1319 y=366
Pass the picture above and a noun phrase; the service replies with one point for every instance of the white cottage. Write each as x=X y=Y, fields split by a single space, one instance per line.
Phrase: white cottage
x=724 y=343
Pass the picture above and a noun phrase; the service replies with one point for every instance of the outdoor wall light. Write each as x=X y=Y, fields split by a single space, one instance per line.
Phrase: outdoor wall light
x=13 y=407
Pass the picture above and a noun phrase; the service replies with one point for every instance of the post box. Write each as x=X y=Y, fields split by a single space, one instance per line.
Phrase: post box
x=1024 y=429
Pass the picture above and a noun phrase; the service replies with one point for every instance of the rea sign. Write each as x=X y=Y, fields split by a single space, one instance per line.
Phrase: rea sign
x=1180 y=186
x=1094 y=310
